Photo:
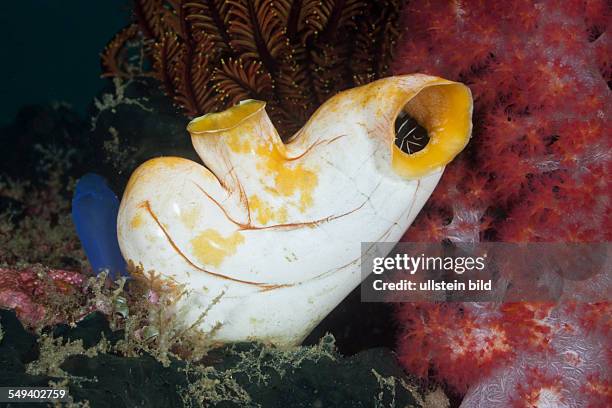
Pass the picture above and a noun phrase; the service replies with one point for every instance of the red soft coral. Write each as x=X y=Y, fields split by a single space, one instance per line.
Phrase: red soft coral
x=458 y=343
x=536 y=169
x=538 y=76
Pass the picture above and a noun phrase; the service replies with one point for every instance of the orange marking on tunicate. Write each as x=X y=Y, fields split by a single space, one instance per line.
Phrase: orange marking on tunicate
x=212 y=248
x=136 y=221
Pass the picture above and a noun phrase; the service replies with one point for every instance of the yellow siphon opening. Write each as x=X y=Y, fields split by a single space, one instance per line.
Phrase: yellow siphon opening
x=445 y=111
x=228 y=119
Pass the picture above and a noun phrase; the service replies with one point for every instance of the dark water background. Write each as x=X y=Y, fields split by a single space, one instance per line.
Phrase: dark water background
x=50 y=50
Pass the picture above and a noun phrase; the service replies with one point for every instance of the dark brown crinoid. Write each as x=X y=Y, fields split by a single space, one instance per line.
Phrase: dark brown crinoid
x=293 y=54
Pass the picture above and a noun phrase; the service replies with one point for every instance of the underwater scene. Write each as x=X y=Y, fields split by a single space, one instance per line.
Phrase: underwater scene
x=306 y=203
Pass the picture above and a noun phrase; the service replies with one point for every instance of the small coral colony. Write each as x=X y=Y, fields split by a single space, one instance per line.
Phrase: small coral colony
x=321 y=125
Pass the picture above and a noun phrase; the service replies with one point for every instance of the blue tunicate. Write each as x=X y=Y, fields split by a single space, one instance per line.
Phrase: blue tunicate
x=94 y=213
